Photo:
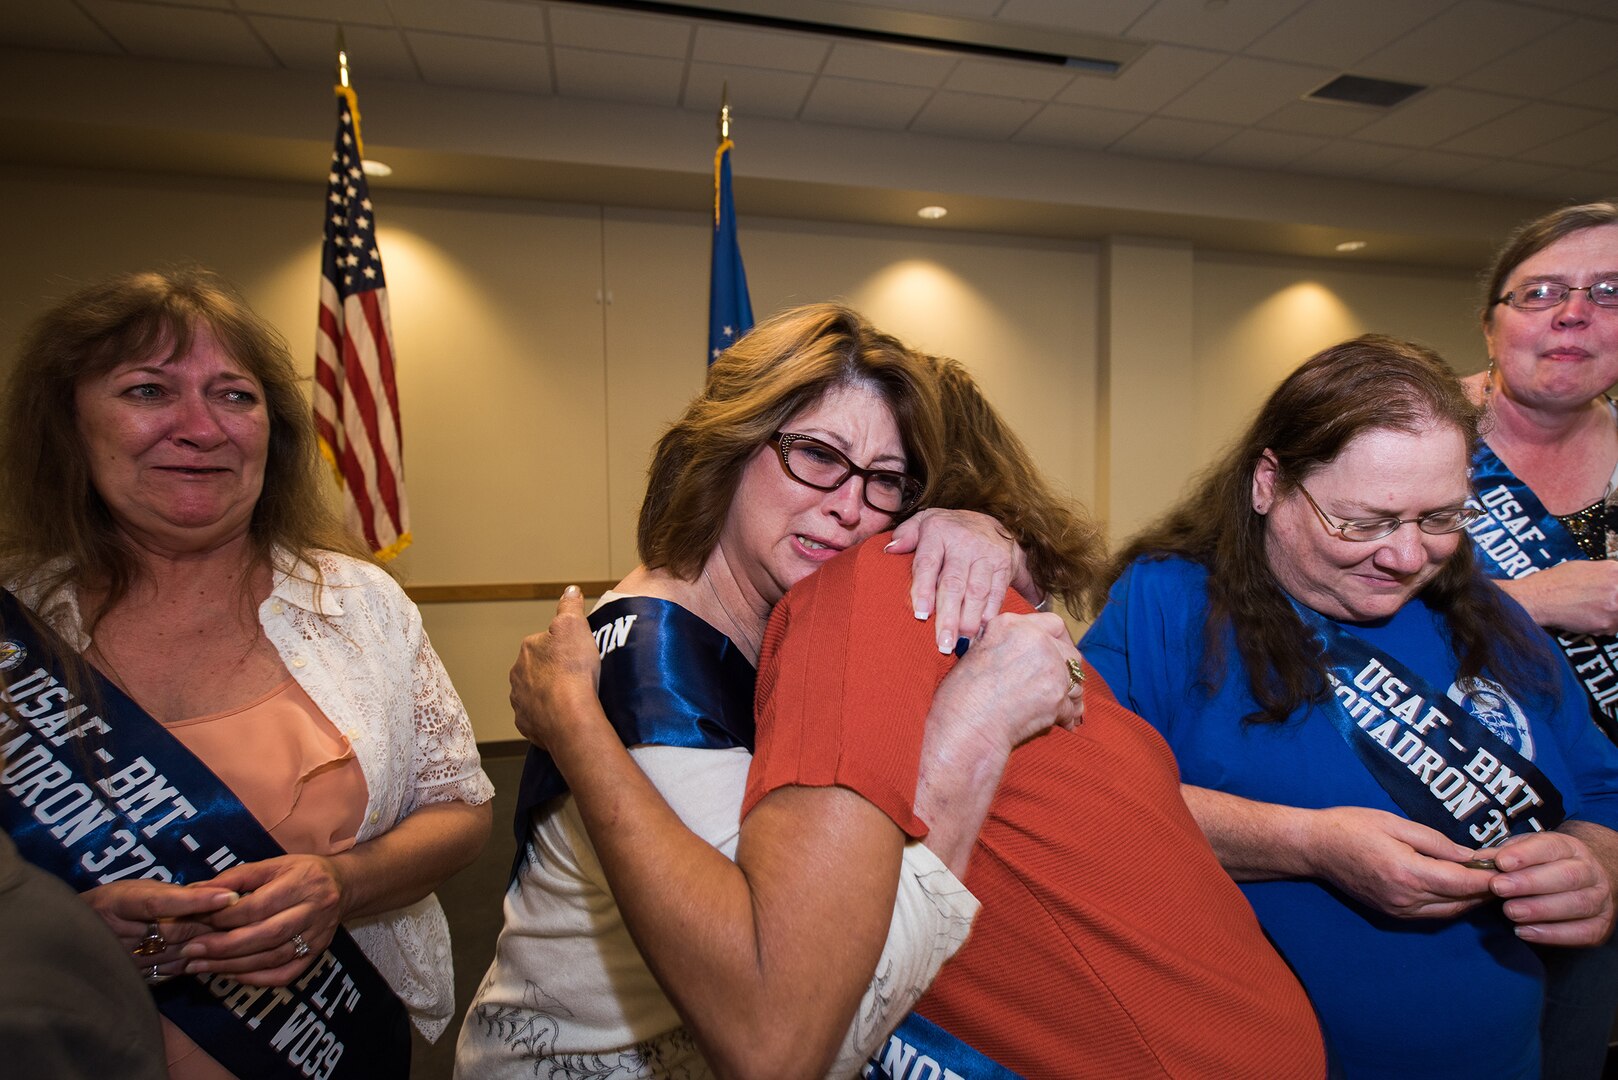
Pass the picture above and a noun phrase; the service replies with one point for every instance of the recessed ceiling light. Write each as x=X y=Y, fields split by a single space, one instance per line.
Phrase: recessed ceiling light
x=1350 y=245
x=376 y=168
x=931 y=213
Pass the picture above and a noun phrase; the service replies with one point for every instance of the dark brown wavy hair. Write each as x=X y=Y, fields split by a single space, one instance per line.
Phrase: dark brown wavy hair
x=1536 y=236
x=782 y=366
x=54 y=526
x=1370 y=383
x=986 y=468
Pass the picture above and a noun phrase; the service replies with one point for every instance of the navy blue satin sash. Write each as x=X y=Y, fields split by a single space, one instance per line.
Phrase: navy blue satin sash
x=667 y=679
x=1516 y=537
x=920 y=1048
x=1445 y=767
x=104 y=793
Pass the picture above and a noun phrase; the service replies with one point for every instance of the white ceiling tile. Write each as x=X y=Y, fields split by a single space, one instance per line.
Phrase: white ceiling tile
x=1082 y=128
x=1243 y=90
x=216 y=5
x=1262 y=149
x=1231 y=26
x=965 y=9
x=1511 y=176
x=1572 y=54
x=1152 y=81
x=1347 y=158
x=759 y=48
x=1574 y=186
x=1462 y=39
x=1588 y=7
x=48 y=24
x=1091 y=17
x=1164 y=138
x=368 y=12
x=862 y=103
x=453 y=60
x=753 y=91
x=1432 y=117
x=1429 y=167
x=177 y=33
x=973 y=116
x=479 y=18
x=647 y=80
x=889 y=63
x=1338 y=34
x=1591 y=146
x=304 y=45
x=1599 y=91
x=1532 y=125
x=1031 y=82
x=1320 y=118
x=611 y=31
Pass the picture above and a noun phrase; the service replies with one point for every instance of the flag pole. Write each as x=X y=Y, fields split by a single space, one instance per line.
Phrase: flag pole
x=345 y=89
x=730 y=311
x=724 y=143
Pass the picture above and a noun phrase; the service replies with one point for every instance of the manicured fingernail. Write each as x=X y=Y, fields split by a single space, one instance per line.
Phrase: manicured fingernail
x=572 y=591
x=922 y=615
x=1528 y=933
x=191 y=950
x=889 y=545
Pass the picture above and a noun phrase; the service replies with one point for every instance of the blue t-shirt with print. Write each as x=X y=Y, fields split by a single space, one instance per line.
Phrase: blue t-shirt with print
x=1398 y=998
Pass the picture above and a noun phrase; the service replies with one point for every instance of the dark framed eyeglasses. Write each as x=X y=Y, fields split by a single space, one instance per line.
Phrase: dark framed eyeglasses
x=1544 y=295
x=1433 y=522
x=815 y=464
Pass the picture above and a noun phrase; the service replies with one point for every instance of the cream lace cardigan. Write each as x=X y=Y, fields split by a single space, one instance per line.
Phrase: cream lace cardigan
x=357 y=647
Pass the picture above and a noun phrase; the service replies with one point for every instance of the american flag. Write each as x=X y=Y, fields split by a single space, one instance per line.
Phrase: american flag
x=356 y=394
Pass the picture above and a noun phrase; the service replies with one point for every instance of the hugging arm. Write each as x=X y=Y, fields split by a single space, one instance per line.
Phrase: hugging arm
x=764 y=958
x=793 y=929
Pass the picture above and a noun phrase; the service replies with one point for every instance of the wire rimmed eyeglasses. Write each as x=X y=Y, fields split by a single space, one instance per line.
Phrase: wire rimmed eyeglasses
x=1543 y=295
x=823 y=467
x=1433 y=522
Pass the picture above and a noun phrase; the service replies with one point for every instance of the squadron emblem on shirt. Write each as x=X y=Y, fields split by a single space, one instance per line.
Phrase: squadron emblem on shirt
x=12 y=653
x=1496 y=710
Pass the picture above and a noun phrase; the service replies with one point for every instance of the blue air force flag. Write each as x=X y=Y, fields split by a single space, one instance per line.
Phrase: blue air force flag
x=730 y=312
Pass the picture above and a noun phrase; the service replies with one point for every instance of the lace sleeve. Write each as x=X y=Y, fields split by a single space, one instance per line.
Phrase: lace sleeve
x=932 y=915
x=447 y=768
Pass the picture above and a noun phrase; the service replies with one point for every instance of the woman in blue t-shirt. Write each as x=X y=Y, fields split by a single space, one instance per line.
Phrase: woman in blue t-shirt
x=1380 y=745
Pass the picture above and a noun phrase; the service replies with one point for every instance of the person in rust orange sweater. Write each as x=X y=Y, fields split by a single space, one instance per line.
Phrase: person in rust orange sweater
x=1111 y=943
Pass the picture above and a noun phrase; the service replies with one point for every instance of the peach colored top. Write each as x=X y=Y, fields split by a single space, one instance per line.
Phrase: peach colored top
x=296 y=773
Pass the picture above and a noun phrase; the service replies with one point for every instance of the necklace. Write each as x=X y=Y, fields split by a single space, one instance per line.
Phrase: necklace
x=754 y=646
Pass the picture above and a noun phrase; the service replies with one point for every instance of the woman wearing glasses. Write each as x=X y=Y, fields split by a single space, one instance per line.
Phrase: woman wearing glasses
x=814 y=433
x=1545 y=473
x=1381 y=746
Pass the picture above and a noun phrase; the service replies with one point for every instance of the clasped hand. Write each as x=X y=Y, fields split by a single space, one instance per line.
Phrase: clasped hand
x=1012 y=684
x=246 y=922
x=1552 y=886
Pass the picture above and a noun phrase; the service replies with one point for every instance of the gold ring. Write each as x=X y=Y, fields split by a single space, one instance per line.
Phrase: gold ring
x=152 y=944
x=1075 y=673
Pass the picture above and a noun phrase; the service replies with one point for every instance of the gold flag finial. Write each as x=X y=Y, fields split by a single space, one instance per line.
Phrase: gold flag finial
x=724 y=111
x=342 y=60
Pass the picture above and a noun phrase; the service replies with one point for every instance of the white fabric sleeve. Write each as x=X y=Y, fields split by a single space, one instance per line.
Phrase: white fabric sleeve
x=932 y=915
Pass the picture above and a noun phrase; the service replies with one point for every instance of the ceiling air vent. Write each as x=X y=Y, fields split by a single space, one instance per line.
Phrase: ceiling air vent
x=1361 y=90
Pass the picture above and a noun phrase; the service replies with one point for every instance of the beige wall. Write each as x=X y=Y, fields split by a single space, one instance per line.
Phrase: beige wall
x=543 y=346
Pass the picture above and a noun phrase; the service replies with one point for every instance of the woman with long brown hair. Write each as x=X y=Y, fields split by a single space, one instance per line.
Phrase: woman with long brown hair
x=1379 y=744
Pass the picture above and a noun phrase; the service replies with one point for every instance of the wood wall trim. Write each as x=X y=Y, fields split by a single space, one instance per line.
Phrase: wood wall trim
x=513 y=590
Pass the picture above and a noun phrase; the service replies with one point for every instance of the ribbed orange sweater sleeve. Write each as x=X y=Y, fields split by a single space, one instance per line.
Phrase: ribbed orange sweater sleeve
x=843 y=697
